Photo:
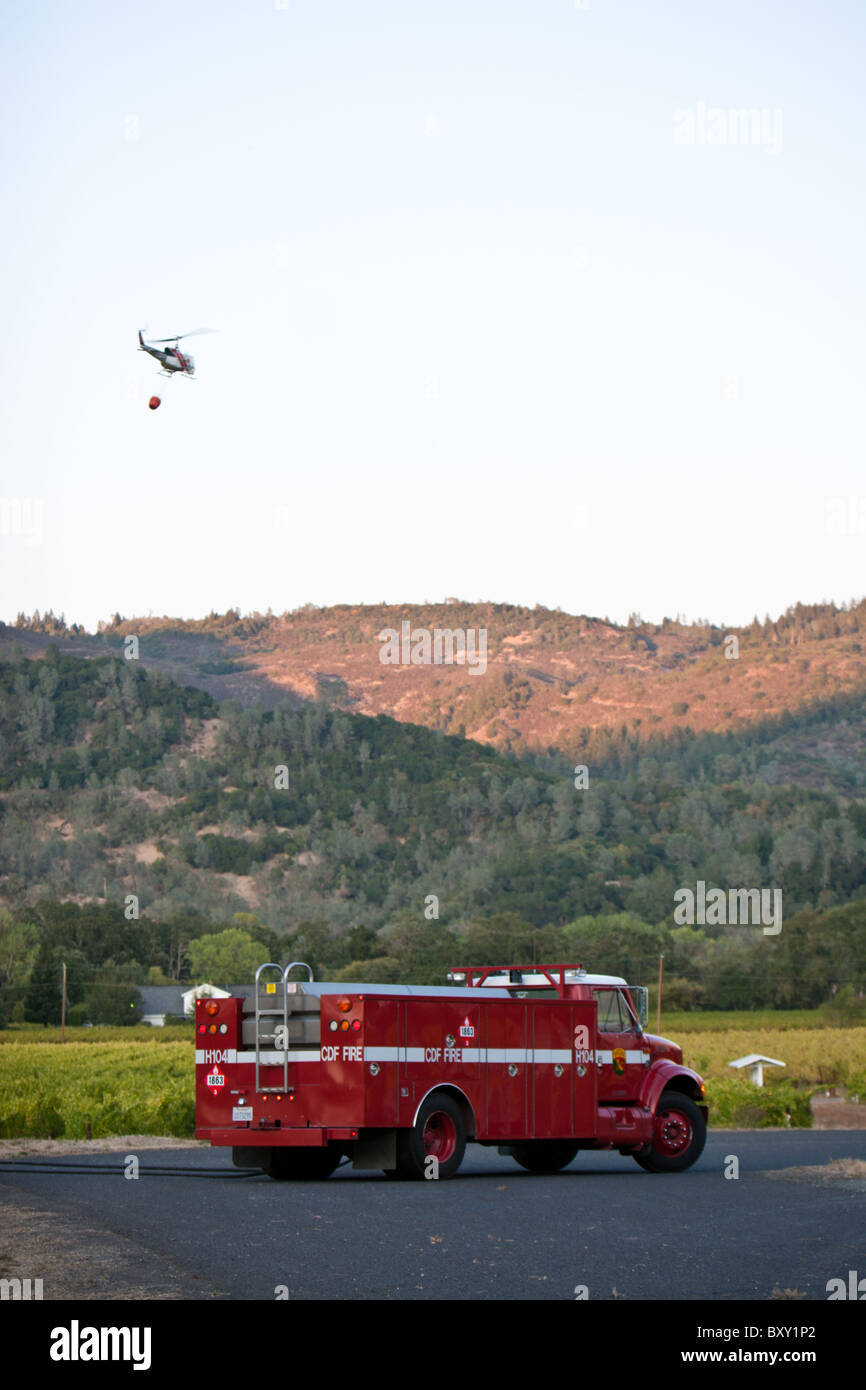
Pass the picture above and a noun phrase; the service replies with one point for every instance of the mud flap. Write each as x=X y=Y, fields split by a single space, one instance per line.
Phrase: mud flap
x=378 y=1149
x=251 y=1157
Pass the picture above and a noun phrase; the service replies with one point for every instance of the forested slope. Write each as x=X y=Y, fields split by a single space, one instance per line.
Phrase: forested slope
x=117 y=784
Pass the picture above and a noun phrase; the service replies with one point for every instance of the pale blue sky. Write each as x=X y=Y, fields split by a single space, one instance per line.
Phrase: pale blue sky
x=485 y=328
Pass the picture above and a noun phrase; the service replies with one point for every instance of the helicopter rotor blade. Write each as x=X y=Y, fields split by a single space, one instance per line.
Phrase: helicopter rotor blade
x=192 y=334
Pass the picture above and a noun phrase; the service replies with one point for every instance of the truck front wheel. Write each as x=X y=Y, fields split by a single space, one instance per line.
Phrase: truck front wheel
x=439 y=1133
x=679 y=1135
x=303 y=1165
x=544 y=1155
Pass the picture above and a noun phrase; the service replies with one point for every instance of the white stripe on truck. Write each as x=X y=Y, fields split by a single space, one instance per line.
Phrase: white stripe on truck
x=522 y=1056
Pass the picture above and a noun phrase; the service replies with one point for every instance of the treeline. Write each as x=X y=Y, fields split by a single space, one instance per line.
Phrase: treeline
x=801 y=621
x=819 y=959
x=107 y=958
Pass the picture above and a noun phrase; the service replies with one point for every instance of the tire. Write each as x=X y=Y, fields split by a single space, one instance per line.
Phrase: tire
x=679 y=1135
x=544 y=1155
x=439 y=1132
x=303 y=1165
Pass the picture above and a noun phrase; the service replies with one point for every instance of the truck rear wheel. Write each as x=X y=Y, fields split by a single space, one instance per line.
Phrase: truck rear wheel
x=544 y=1155
x=679 y=1135
x=303 y=1165
x=439 y=1132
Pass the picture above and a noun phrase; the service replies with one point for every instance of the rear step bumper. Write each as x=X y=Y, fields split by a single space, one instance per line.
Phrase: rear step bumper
x=277 y=1138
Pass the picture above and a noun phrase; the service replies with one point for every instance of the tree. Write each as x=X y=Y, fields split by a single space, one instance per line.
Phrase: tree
x=112 y=996
x=380 y=970
x=504 y=938
x=614 y=944
x=19 y=947
x=424 y=950
x=224 y=958
x=42 y=1003
x=362 y=943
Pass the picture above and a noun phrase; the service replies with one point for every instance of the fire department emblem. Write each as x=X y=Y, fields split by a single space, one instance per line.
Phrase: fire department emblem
x=466 y=1029
x=619 y=1060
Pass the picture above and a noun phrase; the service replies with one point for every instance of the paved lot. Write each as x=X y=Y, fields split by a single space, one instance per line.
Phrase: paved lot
x=494 y=1232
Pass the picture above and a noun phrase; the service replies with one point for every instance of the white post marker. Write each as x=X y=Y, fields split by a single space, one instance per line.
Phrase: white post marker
x=756 y=1063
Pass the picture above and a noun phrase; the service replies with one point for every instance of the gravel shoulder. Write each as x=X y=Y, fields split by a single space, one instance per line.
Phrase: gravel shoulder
x=80 y=1260
x=114 y=1144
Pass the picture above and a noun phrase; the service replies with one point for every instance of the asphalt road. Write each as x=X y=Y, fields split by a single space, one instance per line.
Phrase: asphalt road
x=493 y=1232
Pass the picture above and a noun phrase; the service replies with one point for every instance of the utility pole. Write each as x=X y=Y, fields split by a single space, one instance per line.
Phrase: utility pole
x=63 y=1006
x=659 y=1007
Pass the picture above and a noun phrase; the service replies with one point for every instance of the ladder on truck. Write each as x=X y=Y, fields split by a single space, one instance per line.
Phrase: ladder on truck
x=279 y=1005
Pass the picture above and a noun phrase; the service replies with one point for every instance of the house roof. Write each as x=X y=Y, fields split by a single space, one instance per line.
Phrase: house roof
x=161 y=999
x=169 y=999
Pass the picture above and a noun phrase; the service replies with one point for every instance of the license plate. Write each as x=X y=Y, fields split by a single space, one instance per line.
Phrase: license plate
x=242 y=1112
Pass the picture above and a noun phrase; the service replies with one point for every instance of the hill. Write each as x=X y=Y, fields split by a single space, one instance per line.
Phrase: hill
x=547 y=678
x=125 y=793
x=112 y=774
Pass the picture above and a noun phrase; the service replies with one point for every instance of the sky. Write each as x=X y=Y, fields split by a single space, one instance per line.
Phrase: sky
x=508 y=303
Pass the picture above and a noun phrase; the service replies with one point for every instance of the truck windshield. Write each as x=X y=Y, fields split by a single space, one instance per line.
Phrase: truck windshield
x=614 y=1015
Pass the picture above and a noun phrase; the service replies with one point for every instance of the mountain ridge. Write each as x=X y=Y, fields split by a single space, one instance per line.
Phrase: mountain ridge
x=548 y=676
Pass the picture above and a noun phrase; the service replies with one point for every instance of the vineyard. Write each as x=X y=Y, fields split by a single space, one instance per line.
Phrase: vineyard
x=814 y=1058
x=144 y=1084
x=22 y=1033
x=50 y=1092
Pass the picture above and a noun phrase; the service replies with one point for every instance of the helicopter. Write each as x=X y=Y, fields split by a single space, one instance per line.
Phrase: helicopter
x=172 y=360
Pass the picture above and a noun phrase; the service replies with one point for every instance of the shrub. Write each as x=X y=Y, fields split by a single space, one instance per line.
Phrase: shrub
x=380 y=970
x=737 y=1104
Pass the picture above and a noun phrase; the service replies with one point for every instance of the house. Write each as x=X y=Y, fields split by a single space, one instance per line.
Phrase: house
x=161 y=1004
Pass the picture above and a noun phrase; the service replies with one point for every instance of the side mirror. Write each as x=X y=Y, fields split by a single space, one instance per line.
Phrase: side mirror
x=640 y=998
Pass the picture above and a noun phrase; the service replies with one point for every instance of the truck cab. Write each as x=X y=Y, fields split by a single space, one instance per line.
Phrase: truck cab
x=634 y=1069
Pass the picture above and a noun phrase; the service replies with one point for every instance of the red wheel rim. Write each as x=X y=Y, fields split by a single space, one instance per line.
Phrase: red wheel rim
x=440 y=1135
x=673 y=1132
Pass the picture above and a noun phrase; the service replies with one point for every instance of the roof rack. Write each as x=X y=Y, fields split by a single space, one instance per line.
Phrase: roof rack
x=554 y=976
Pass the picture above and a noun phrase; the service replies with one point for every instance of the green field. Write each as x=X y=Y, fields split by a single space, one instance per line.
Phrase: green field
x=20 y=1033
x=711 y=1021
x=814 y=1058
x=49 y=1092
x=140 y=1080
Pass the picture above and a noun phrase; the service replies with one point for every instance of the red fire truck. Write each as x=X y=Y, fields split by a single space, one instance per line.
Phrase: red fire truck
x=538 y=1061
